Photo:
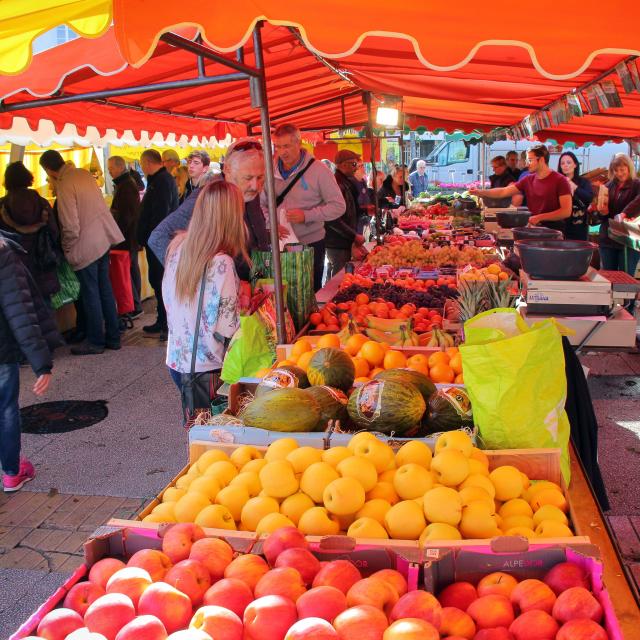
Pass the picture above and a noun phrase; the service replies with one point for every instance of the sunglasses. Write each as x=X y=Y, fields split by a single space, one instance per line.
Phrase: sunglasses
x=245 y=145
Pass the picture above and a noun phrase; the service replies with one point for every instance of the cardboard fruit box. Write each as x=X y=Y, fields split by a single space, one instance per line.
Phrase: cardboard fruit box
x=443 y=566
x=537 y=464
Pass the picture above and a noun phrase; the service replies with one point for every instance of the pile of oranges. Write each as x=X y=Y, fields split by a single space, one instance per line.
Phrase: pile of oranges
x=370 y=358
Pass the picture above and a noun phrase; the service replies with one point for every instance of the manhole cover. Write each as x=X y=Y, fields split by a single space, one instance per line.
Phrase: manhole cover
x=62 y=416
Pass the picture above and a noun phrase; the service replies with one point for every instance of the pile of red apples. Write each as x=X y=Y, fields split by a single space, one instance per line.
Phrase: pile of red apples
x=196 y=588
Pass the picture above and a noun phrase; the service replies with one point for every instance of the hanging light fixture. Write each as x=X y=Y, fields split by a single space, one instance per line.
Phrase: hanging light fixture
x=388 y=113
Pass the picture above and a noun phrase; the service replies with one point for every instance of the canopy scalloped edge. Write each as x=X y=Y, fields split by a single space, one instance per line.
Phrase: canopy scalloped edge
x=137 y=61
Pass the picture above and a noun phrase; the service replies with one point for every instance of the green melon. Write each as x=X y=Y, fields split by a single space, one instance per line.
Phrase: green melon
x=405 y=376
x=286 y=409
x=286 y=376
x=387 y=406
x=449 y=409
x=332 y=403
x=333 y=368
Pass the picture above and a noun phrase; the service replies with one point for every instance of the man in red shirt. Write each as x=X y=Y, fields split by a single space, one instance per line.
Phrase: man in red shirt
x=548 y=192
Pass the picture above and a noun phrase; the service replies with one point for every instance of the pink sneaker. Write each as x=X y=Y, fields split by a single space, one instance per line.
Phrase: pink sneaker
x=15 y=483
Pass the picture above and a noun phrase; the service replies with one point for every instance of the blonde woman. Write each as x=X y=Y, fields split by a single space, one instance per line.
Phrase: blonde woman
x=624 y=198
x=182 y=177
x=200 y=291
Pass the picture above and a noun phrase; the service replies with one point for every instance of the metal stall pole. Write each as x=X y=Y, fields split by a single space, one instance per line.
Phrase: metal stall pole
x=374 y=170
x=259 y=99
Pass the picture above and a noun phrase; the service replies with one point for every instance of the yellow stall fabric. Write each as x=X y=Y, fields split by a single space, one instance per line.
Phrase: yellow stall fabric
x=24 y=20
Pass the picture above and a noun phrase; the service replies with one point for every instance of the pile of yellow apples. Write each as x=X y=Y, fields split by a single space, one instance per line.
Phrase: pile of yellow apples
x=366 y=490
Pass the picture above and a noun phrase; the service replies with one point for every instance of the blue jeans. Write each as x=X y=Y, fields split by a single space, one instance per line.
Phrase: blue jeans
x=176 y=376
x=9 y=418
x=98 y=303
x=613 y=259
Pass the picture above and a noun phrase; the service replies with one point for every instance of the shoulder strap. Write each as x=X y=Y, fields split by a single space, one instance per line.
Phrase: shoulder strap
x=283 y=195
x=197 y=330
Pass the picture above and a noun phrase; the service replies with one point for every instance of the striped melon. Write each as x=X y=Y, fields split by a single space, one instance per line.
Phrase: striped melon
x=331 y=367
x=332 y=403
x=286 y=409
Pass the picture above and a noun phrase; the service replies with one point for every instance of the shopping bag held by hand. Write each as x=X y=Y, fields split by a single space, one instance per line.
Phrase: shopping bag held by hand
x=515 y=378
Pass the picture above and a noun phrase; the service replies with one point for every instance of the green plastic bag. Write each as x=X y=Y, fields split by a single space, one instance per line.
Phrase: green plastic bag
x=249 y=351
x=69 y=286
x=515 y=378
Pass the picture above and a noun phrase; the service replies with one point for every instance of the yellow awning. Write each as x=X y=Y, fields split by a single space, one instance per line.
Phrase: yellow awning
x=22 y=21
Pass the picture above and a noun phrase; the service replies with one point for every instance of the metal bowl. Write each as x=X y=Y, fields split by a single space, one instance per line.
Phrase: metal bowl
x=555 y=259
x=536 y=233
x=509 y=219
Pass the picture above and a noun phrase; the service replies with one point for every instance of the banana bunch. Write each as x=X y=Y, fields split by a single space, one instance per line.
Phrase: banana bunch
x=440 y=338
x=390 y=325
x=404 y=336
x=347 y=331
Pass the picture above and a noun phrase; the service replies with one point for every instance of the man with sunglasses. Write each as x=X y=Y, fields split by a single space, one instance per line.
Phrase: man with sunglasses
x=311 y=195
x=342 y=236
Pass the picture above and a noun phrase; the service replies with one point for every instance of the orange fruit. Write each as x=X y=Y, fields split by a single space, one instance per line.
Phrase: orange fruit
x=451 y=351
x=362 y=298
x=503 y=275
x=419 y=360
x=442 y=373
x=287 y=362
x=300 y=347
x=305 y=359
x=419 y=367
x=456 y=363
x=363 y=379
x=374 y=372
x=439 y=357
x=362 y=367
x=372 y=352
x=459 y=379
x=329 y=340
x=385 y=346
x=394 y=360
x=354 y=343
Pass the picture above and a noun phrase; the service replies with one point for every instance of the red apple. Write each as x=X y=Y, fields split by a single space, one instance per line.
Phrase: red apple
x=321 y=602
x=566 y=575
x=395 y=578
x=363 y=622
x=418 y=604
x=230 y=593
x=581 y=629
x=218 y=622
x=456 y=622
x=411 y=629
x=179 y=539
x=215 y=554
x=534 y=625
x=108 y=614
x=497 y=582
x=311 y=629
x=340 y=574
x=81 y=595
x=249 y=568
x=84 y=634
x=59 y=623
x=171 y=606
x=154 y=562
x=284 y=581
x=577 y=602
x=374 y=592
x=269 y=618
x=131 y=581
x=190 y=577
x=533 y=594
x=491 y=611
x=190 y=634
x=143 y=628
x=458 y=594
x=494 y=633
x=102 y=570
x=281 y=540
x=302 y=560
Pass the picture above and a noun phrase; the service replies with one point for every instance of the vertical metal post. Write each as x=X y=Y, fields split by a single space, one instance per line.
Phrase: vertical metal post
x=401 y=145
x=270 y=185
x=374 y=170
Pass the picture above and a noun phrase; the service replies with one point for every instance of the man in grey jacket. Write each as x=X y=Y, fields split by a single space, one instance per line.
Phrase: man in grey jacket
x=314 y=199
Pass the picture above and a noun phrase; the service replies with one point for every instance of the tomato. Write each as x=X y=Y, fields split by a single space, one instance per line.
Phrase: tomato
x=315 y=318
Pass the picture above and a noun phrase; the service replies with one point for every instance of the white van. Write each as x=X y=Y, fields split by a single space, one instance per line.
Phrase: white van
x=460 y=161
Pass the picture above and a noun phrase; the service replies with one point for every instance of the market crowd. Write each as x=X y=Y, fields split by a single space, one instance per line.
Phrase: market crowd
x=198 y=226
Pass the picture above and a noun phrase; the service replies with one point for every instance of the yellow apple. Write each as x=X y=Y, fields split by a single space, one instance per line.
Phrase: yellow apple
x=254 y=466
x=319 y=522
x=478 y=521
x=334 y=455
x=280 y=449
x=516 y=507
x=508 y=482
x=469 y=494
x=517 y=521
x=359 y=437
x=278 y=479
x=272 y=522
x=438 y=531
x=209 y=457
x=255 y=509
x=387 y=476
x=173 y=494
x=294 y=506
x=376 y=451
x=303 y=457
x=451 y=467
x=412 y=481
x=244 y=454
x=376 y=509
x=207 y=485
x=455 y=440
x=216 y=516
x=223 y=471
x=385 y=491
x=249 y=480
x=189 y=506
x=367 y=528
x=234 y=498
x=415 y=452
x=344 y=496
x=549 y=512
x=442 y=504
x=475 y=466
x=553 y=529
x=166 y=511
x=405 y=521
x=316 y=478
x=479 y=480
x=523 y=532
x=361 y=469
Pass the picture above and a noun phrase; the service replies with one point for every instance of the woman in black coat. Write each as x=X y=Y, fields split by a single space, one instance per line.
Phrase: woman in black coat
x=391 y=192
x=577 y=225
x=23 y=212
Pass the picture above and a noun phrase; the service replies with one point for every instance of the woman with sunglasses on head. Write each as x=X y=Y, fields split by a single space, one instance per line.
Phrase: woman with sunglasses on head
x=577 y=224
x=200 y=286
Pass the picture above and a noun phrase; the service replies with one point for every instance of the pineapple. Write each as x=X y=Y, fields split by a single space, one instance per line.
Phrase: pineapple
x=472 y=298
x=499 y=296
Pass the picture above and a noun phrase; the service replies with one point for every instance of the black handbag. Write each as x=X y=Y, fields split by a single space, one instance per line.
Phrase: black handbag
x=198 y=391
x=47 y=255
